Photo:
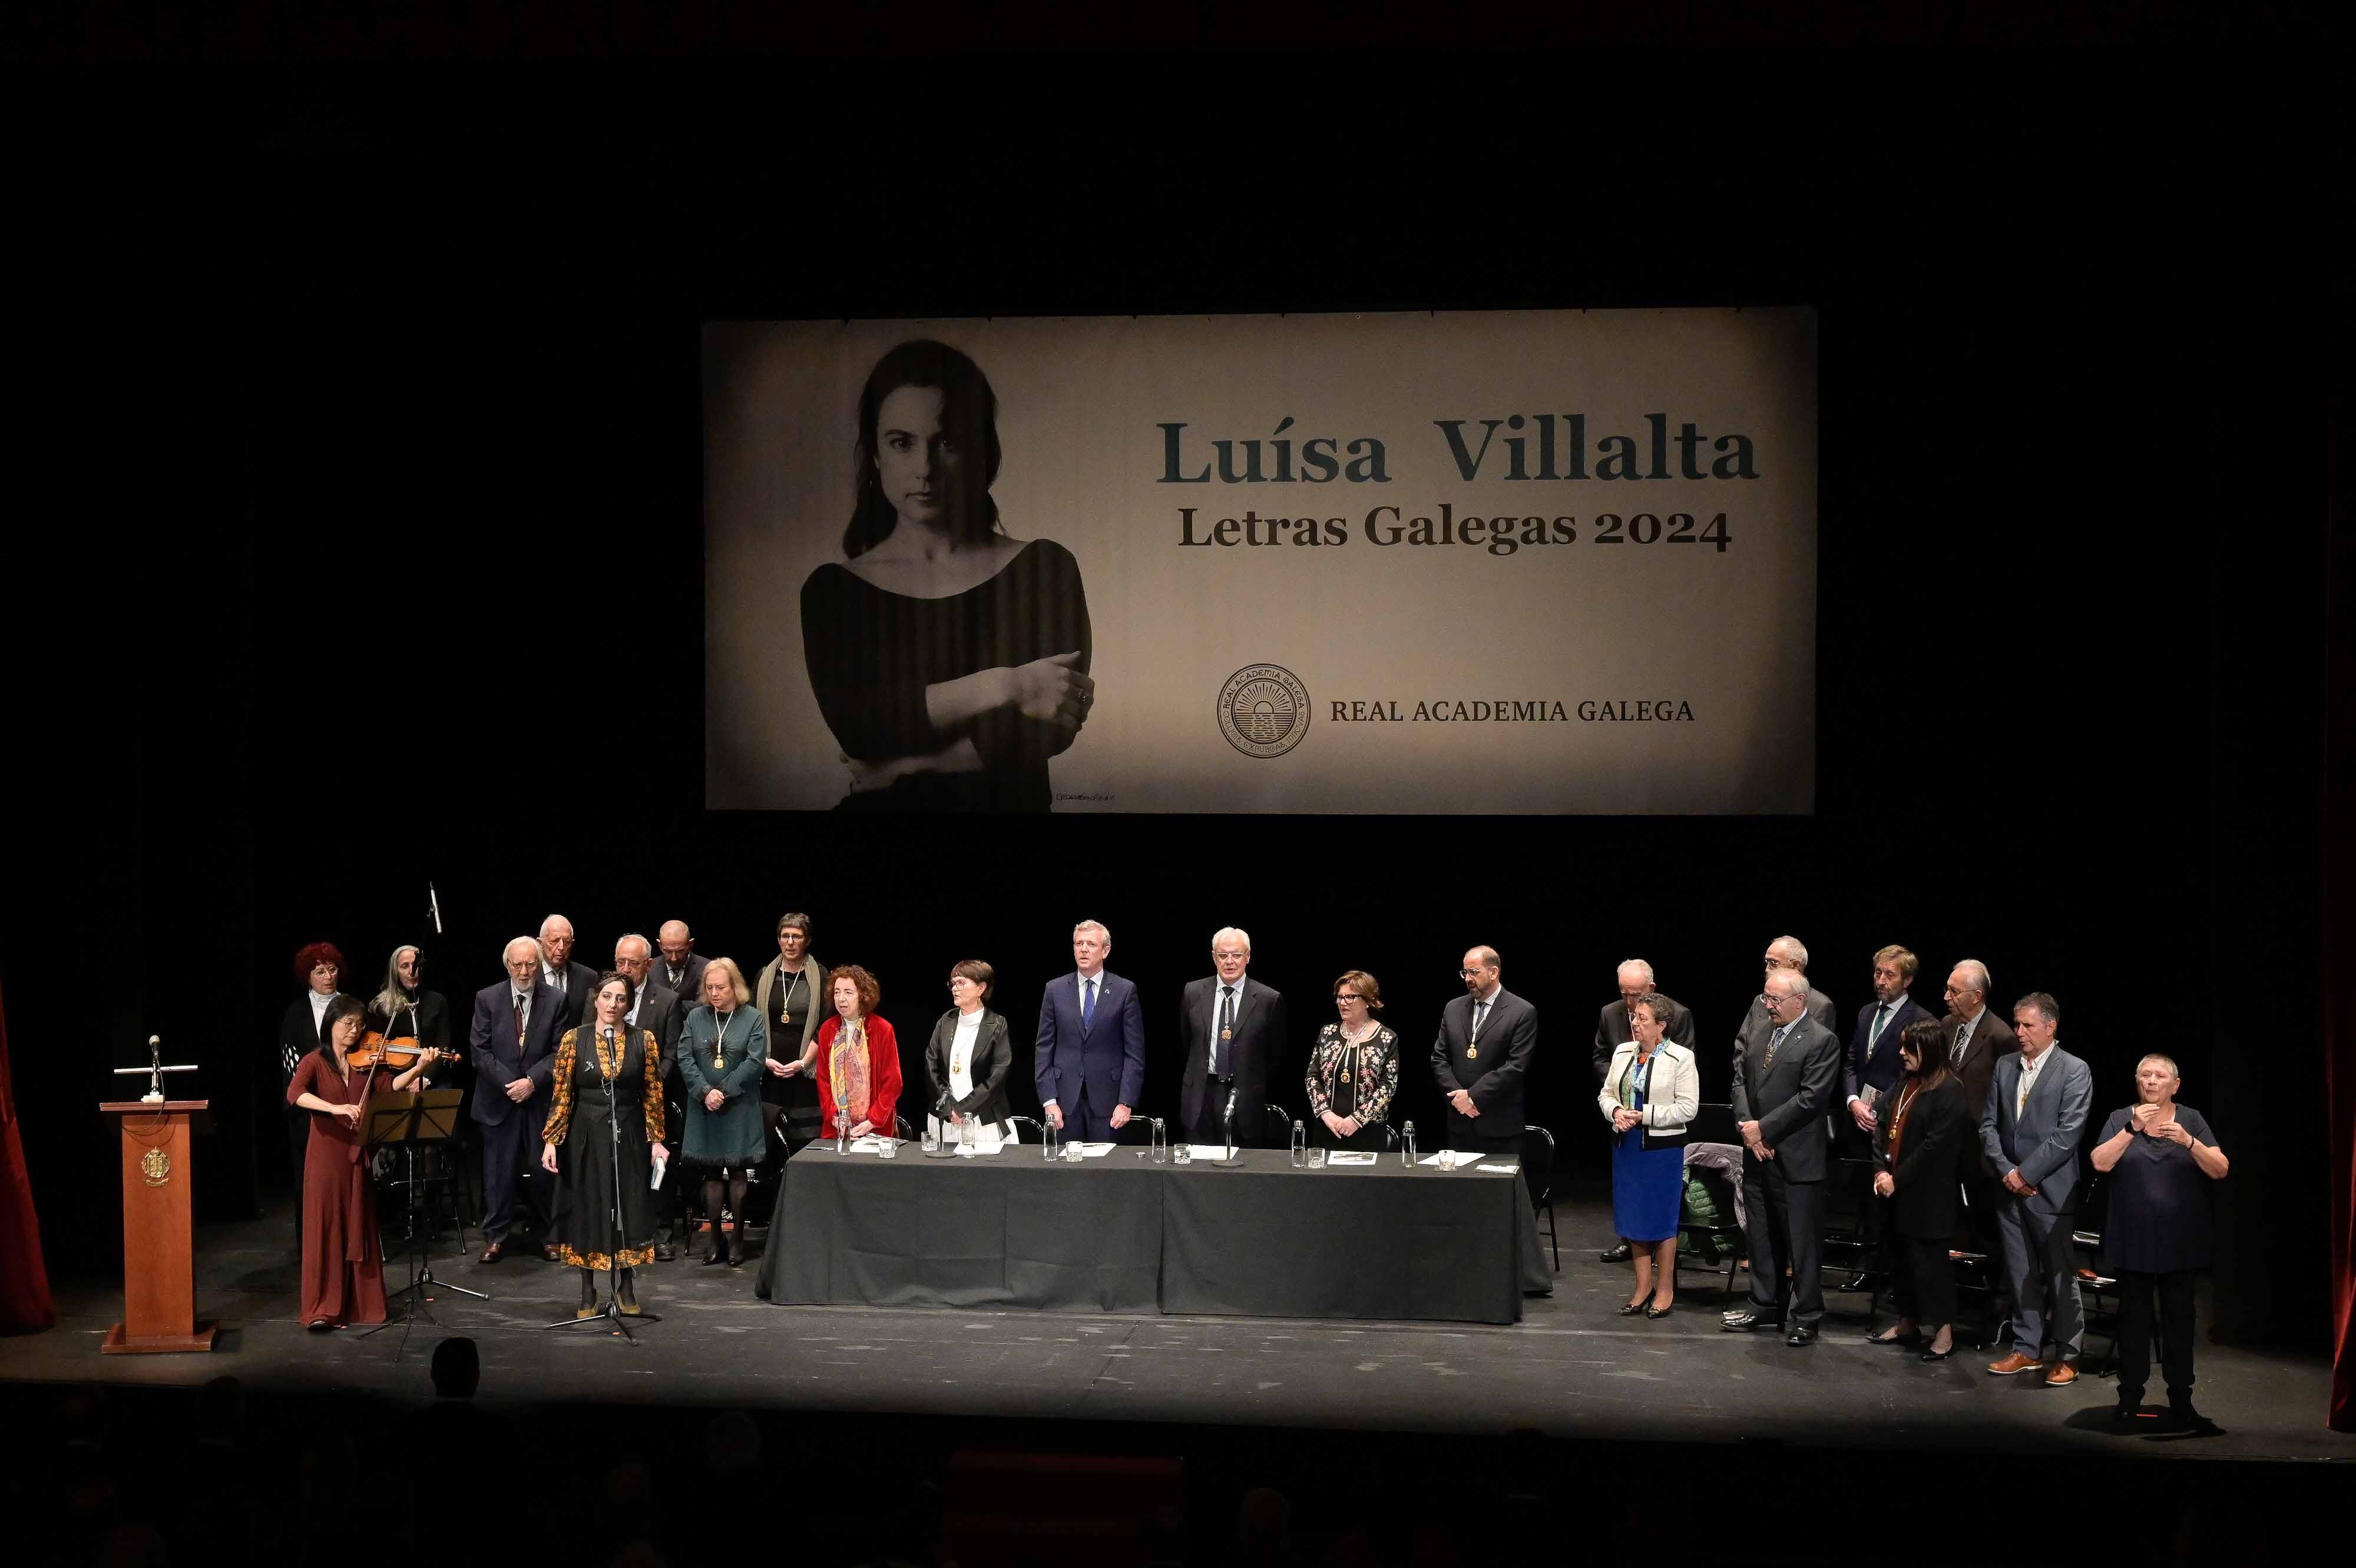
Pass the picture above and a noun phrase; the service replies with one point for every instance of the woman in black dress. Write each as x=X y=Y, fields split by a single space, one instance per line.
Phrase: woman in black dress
x=2160 y=1158
x=949 y=659
x=1918 y=1153
x=304 y=1030
x=607 y=1075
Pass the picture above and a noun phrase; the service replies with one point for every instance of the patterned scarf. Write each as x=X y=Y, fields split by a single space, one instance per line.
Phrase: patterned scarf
x=846 y=1068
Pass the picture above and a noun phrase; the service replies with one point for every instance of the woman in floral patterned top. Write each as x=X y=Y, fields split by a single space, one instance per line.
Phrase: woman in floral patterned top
x=1353 y=1068
x=607 y=1079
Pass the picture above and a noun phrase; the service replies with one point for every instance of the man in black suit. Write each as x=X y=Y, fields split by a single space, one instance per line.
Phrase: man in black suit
x=1611 y=1024
x=683 y=966
x=512 y=1044
x=1481 y=1062
x=654 y=1009
x=1481 y=1057
x=1978 y=1038
x=1232 y=1028
x=1870 y=1070
x=1783 y=1082
x=574 y=983
x=1611 y=1032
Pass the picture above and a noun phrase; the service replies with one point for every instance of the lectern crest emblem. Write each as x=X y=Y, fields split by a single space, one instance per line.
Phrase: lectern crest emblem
x=156 y=1167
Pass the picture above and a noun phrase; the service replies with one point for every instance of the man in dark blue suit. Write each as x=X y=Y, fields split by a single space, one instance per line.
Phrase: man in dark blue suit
x=512 y=1044
x=1870 y=1070
x=1090 y=1069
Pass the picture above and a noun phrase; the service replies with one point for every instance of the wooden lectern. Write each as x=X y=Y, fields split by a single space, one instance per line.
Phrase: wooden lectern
x=159 y=1278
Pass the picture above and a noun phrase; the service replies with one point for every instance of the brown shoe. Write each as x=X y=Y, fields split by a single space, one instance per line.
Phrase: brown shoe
x=2061 y=1375
x=2015 y=1362
x=548 y=1250
x=492 y=1254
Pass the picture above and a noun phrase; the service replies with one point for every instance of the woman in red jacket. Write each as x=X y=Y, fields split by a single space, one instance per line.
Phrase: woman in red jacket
x=855 y=1058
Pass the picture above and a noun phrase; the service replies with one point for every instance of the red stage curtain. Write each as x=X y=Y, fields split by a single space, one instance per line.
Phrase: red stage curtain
x=25 y=1299
x=2340 y=920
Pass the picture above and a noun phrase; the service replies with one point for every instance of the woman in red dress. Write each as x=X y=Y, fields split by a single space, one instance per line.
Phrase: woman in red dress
x=343 y=1278
x=855 y=1058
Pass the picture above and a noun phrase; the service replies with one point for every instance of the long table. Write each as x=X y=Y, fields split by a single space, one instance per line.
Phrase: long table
x=1122 y=1234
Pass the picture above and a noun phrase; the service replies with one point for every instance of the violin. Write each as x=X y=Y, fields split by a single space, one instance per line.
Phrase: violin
x=400 y=1053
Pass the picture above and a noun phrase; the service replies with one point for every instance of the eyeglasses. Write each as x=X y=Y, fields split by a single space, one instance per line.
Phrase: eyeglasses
x=1342 y=997
x=1469 y=974
x=1771 y=999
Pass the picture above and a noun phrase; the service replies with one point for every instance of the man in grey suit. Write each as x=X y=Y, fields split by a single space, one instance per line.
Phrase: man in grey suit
x=1783 y=1082
x=2030 y=1129
x=1785 y=955
x=1978 y=1038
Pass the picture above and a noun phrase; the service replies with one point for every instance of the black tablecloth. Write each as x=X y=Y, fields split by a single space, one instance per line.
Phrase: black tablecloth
x=1121 y=1234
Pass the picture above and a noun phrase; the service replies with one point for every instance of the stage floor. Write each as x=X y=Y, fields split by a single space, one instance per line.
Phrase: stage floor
x=1571 y=1369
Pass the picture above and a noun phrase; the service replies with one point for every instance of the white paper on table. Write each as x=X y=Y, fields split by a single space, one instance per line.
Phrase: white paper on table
x=1457 y=1159
x=1091 y=1151
x=1207 y=1150
x=1500 y=1170
x=1350 y=1158
x=871 y=1145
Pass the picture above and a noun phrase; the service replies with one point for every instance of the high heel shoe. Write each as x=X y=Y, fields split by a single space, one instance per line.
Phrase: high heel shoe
x=588 y=1308
x=625 y=1296
x=1632 y=1309
x=1658 y=1311
x=1938 y=1354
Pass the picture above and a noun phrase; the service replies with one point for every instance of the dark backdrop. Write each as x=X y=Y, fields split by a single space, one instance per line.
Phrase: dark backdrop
x=367 y=549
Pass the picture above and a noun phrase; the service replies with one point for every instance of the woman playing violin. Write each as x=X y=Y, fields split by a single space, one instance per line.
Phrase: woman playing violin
x=343 y=1277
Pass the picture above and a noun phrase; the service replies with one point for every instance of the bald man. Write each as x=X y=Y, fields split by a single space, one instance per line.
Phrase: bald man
x=573 y=983
x=681 y=967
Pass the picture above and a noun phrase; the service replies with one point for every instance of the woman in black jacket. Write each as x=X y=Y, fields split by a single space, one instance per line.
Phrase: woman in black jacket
x=967 y=1058
x=1919 y=1146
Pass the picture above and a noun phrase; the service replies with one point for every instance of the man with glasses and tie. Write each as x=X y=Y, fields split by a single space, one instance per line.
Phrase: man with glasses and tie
x=1482 y=1059
x=512 y=1044
x=1783 y=1082
x=1232 y=1027
x=1090 y=1067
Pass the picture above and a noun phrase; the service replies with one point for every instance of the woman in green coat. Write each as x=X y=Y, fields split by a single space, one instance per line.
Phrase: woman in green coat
x=722 y=1049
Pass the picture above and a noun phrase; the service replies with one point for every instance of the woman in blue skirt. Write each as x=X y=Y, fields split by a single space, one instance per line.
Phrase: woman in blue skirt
x=1650 y=1094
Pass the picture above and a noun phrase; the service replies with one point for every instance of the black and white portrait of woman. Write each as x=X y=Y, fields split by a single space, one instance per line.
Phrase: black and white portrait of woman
x=949 y=655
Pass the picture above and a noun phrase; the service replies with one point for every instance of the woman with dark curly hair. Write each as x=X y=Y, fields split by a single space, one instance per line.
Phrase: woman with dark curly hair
x=949 y=659
x=855 y=1058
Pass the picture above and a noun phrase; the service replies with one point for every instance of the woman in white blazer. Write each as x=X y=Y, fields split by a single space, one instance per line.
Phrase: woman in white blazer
x=1650 y=1091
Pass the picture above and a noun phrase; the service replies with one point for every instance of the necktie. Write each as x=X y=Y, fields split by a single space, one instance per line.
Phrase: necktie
x=519 y=1002
x=1881 y=1016
x=1962 y=1038
x=2021 y=1103
x=1221 y=1067
x=1480 y=1015
x=1774 y=1043
x=1087 y=1004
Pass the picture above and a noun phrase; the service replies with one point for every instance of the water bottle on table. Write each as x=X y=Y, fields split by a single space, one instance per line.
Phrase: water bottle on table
x=1300 y=1145
x=1407 y=1146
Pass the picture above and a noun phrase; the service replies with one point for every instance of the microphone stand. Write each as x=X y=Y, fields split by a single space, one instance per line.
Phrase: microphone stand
x=613 y=1309
x=1231 y=1155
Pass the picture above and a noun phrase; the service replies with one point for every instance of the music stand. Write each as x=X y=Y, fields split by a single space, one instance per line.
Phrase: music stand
x=408 y=1120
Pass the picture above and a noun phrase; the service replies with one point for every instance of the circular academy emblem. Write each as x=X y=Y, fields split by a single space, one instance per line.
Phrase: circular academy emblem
x=1264 y=710
x=156 y=1167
